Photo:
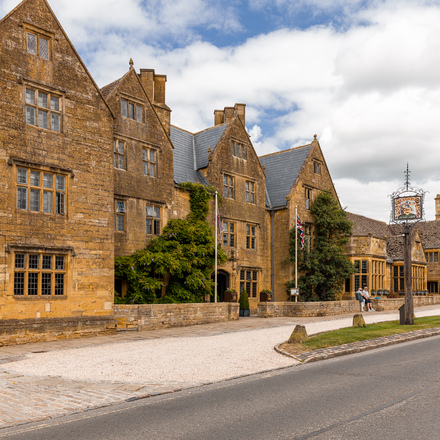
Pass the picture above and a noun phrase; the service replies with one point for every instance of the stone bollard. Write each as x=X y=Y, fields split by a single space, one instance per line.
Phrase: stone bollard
x=358 y=320
x=299 y=335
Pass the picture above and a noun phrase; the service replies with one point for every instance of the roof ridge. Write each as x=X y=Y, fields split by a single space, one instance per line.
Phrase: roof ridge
x=285 y=151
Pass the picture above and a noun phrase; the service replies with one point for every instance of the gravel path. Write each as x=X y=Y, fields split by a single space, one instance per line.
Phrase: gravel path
x=178 y=359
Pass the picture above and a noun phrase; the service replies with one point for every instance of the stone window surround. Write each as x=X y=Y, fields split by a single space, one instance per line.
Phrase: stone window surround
x=147 y=163
x=50 y=169
x=67 y=252
x=39 y=33
x=152 y=220
x=250 y=188
x=228 y=186
x=255 y=274
x=251 y=236
x=120 y=213
x=317 y=166
x=228 y=234
x=49 y=90
x=239 y=148
x=119 y=154
x=138 y=103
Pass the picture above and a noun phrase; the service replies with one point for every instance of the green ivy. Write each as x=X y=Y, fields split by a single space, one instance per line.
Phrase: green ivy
x=184 y=254
x=324 y=267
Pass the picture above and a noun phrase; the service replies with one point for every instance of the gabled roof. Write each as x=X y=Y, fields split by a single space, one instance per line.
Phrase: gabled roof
x=184 y=157
x=191 y=152
x=281 y=170
x=364 y=226
x=108 y=89
x=46 y=4
x=430 y=234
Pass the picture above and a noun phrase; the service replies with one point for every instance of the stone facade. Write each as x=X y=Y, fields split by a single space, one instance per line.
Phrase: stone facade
x=87 y=174
x=56 y=177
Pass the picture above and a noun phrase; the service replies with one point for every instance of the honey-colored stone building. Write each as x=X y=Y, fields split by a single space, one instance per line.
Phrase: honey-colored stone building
x=56 y=182
x=89 y=174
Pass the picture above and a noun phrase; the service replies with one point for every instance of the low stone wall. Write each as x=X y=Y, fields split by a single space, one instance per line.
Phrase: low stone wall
x=22 y=331
x=331 y=308
x=155 y=316
x=306 y=309
x=396 y=303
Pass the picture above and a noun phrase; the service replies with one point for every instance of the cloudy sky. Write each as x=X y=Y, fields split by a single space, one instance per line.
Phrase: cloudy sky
x=364 y=75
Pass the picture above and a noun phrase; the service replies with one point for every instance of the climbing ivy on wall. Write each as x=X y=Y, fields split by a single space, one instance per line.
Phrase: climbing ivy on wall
x=183 y=255
x=323 y=267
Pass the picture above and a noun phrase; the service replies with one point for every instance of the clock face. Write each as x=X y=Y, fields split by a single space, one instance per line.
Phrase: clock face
x=407 y=208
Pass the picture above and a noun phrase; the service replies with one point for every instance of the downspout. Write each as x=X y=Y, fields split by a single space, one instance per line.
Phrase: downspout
x=272 y=256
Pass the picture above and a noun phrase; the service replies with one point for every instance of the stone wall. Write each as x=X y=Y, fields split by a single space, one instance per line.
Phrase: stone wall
x=22 y=331
x=331 y=308
x=155 y=316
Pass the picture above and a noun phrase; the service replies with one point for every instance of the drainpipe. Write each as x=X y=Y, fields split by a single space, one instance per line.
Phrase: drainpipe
x=272 y=268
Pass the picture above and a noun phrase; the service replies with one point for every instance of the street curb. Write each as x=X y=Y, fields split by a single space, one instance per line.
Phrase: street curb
x=360 y=346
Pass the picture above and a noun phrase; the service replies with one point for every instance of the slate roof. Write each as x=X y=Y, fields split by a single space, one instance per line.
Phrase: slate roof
x=281 y=170
x=106 y=90
x=363 y=226
x=430 y=234
x=191 y=152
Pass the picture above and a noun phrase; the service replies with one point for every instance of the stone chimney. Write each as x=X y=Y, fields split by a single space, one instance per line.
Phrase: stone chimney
x=219 y=117
x=229 y=113
x=437 y=207
x=224 y=116
x=159 y=88
x=240 y=110
x=147 y=79
x=154 y=86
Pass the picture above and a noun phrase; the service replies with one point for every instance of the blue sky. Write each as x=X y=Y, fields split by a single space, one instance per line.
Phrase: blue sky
x=362 y=75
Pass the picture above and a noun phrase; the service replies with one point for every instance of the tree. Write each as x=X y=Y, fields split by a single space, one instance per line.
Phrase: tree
x=184 y=253
x=324 y=266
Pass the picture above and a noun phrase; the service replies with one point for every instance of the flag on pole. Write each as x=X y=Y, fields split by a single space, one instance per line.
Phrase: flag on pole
x=219 y=220
x=301 y=231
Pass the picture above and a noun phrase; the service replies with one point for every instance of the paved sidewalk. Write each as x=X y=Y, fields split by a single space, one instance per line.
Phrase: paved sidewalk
x=26 y=398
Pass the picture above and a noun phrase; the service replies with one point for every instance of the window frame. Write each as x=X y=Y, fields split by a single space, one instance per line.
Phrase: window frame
x=131 y=110
x=147 y=163
x=53 y=195
x=307 y=197
x=119 y=158
x=250 y=192
x=239 y=150
x=229 y=236
x=249 y=281
x=153 y=222
x=39 y=34
x=48 y=116
x=228 y=186
x=251 y=236
x=120 y=215
x=30 y=279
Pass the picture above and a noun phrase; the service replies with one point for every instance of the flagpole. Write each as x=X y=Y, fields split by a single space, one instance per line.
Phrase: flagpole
x=215 y=273
x=296 y=252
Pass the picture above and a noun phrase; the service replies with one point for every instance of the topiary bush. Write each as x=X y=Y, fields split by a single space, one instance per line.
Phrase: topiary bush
x=244 y=300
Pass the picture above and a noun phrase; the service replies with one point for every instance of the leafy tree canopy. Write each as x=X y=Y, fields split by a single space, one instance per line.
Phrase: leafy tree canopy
x=324 y=266
x=184 y=255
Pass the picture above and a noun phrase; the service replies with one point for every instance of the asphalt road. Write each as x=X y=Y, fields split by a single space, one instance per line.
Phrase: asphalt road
x=388 y=393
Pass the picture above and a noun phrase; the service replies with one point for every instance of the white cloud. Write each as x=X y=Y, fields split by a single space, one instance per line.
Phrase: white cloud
x=370 y=92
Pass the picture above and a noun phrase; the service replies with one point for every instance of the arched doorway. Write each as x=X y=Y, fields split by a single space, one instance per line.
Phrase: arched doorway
x=222 y=284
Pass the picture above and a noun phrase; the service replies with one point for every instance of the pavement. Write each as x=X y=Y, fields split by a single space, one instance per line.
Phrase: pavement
x=26 y=398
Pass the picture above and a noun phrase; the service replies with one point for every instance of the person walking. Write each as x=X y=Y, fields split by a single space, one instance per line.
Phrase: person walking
x=366 y=295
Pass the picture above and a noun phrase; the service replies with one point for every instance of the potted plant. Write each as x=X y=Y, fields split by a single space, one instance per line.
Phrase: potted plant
x=244 y=303
x=231 y=295
x=266 y=295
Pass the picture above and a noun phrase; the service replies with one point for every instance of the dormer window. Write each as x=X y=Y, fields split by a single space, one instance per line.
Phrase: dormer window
x=131 y=110
x=238 y=150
